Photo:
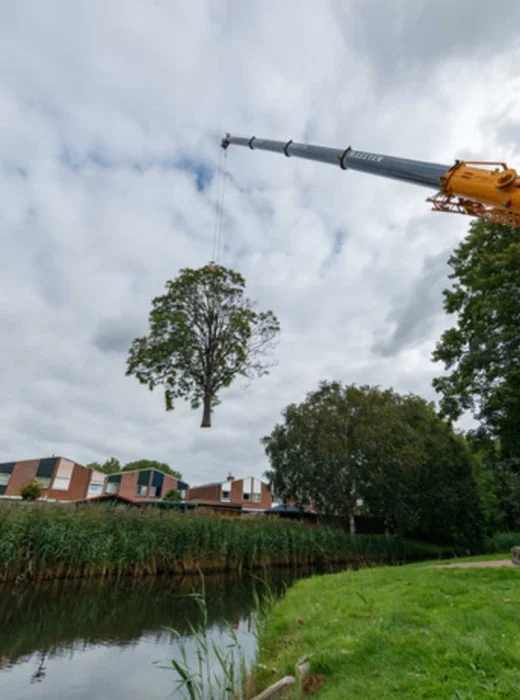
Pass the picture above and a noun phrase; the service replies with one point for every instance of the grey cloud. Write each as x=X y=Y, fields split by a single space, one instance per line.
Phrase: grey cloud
x=508 y=134
x=116 y=335
x=41 y=425
x=407 y=42
x=414 y=315
x=339 y=239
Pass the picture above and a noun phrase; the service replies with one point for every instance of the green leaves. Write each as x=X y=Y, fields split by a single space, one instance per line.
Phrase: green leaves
x=346 y=444
x=482 y=351
x=152 y=464
x=111 y=466
x=32 y=490
x=203 y=333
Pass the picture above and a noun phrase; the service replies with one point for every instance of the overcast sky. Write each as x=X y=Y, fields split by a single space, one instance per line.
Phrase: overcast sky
x=111 y=113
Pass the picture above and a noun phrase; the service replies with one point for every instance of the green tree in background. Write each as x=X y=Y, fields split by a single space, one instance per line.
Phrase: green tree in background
x=346 y=444
x=152 y=464
x=203 y=333
x=500 y=480
x=111 y=466
x=481 y=352
x=319 y=454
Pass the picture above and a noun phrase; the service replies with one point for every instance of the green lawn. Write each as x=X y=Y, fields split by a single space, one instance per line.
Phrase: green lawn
x=401 y=632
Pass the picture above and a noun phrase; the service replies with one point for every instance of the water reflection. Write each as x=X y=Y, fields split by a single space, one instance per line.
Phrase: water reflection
x=104 y=639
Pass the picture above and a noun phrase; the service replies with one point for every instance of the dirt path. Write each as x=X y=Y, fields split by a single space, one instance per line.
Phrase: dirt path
x=493 y=563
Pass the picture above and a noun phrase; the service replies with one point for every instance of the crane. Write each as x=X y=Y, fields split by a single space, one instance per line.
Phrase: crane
x=476 y=188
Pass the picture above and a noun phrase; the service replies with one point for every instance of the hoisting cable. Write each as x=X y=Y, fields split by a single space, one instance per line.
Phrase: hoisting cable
x=220 y=213
x=217 y=210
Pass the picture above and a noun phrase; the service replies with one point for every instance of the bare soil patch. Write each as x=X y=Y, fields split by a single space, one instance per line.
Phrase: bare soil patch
x=494 y=564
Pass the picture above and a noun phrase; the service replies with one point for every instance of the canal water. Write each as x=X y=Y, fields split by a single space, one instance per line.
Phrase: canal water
x=113 y=640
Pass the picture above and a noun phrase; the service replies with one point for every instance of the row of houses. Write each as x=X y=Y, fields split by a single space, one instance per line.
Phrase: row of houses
x=65 y=480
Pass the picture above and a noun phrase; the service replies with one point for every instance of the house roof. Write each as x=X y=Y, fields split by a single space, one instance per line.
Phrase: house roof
x=139 y=502
x=146 y=469
x=208 y=503
x=109 y=497
x=39 y=459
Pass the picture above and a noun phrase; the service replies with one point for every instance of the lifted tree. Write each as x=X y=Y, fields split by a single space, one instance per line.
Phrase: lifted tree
x=203 y=333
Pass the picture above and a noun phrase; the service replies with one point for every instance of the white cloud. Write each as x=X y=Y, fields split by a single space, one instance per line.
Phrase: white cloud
x=108 y=109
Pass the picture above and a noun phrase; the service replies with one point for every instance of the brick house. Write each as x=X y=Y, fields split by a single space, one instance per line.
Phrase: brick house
x=250 y=493
x=143 y=484
x=61 y=478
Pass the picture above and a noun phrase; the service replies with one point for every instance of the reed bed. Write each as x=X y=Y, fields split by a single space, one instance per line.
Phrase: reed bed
x=45 y=542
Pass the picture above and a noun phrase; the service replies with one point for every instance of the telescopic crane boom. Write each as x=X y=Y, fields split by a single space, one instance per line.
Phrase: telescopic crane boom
x=486 y=190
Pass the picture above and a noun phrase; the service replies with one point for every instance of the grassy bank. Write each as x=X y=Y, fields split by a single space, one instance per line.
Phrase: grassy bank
x=410 y=632
x=53 y=542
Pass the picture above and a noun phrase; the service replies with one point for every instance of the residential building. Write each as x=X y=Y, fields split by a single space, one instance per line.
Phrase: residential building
x=250 y=493
x=61 y=478
x=141 y=484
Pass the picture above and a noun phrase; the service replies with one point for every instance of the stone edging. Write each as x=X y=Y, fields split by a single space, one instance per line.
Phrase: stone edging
x=284 y=684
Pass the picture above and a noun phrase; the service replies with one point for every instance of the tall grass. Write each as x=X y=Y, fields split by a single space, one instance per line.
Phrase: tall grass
x=220 y=673
x=53 y=542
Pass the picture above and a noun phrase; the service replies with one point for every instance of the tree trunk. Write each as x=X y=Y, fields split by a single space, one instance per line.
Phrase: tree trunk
x=352 y=523
x=206 y=415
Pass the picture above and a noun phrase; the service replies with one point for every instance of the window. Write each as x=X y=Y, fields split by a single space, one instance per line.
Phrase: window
x=4 y=479
x=62 y=476
x=45 y=469
x=226 y=495
x=183 y=493
x=152 y=491
x=61 y=483
x=112 y=487
x=141 y=490
x=44 y=481
x=257 y=497
x=95 y=489
x=247 y=496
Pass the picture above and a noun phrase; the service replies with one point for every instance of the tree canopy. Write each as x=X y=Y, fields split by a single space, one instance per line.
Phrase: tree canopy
x=203 y=333
x=481 y=352
x=152 y=464
x=346 y=445
x=111 y=466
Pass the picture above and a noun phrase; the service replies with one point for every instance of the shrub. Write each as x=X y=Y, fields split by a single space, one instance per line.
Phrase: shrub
x=32 y=490
x=502 y=542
